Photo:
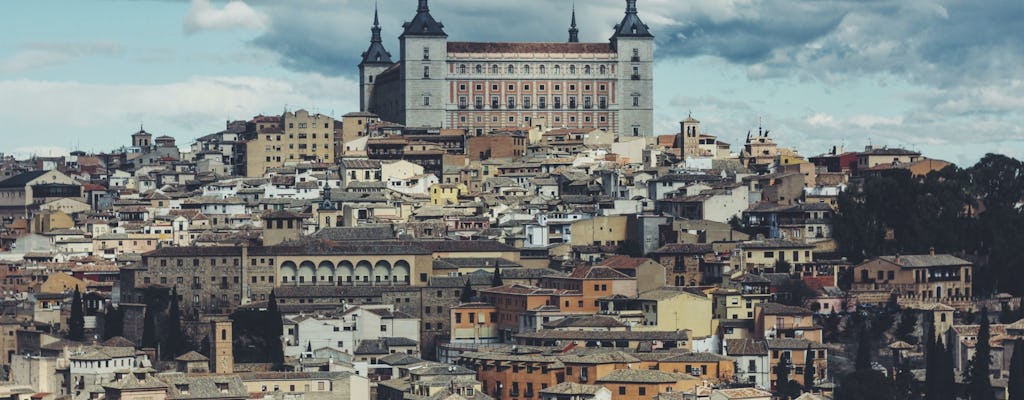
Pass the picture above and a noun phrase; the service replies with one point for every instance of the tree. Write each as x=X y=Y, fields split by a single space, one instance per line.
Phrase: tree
x=496 y=279
x=273 y=331
x=865 y=385
x=784 y=387
x=906 y=327
x=175 y=338
x=980 y=385
x=467 y=292
x=1015 y=385
x=113 y=322
x=863 y=360
x=76 y=322
x=783 y=267
x=809 y=370
x=149 y=339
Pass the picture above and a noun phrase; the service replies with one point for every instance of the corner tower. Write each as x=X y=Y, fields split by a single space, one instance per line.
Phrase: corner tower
x=376 y=59
x=424 y=55
x=634 y=44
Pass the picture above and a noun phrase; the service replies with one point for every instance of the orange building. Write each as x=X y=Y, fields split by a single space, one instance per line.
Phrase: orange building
x=773 y=320
x=514 y=375
x=798 y=351
x=712 y=367
x=636 y=384
x=474 y=323
x=593 y=283
x=517 y=304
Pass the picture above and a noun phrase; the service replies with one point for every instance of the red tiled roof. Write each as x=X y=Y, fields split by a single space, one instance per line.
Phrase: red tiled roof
x=485 y=47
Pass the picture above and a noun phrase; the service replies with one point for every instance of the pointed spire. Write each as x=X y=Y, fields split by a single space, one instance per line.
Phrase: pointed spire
x=376 y=21
x=376 y=54
x=375 y=30
x=631 y=7
x=424 y=7
x=423 y=24
x=631 y=25
x=574 y=34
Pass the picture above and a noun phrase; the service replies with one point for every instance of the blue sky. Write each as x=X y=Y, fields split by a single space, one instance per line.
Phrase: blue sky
x=941 y=76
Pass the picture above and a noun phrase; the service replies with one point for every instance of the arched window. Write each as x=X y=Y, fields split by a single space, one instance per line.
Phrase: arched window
x=462 y=68
x=541 y=69
x=558 y=69
x=479 y=69
x=494 y=69
x=526 y=69
x=572 y=70
x=223 y=334
x=511 y=69
x=586 y=69
x=603 y=70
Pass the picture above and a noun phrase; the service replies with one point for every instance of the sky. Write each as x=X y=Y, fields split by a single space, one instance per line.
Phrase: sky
x=945 y=77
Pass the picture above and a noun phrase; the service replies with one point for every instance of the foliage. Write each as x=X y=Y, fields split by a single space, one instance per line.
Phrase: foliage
x=274 y=331
x=809 y=369
x=939 y=378
x=979 y=384
x=1015 y=385
x=496 y=279
x=907 y=326
x=784 y=387
x=175 y=341
x=971 y=210
x=782 y=267
x=467 y=293
x=76 y=322
x=863 y=360
x=113 y=322
x=866 y=385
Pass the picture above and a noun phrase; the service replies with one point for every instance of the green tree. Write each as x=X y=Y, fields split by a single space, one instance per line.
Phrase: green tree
x=113 y=322
x=273 y=331
x=76 y=322
x=980 y=384
x=467 y=292
x=809 y=370
x=782 y=267
x=176 y=345
x=906 y=327
x=784 y=387
x=149 y=339
x=863 y=360
x=865 y=385
x=496 y=278
x=1015 y=385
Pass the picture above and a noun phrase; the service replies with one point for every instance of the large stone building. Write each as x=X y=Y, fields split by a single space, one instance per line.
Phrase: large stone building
x=290 y=139
x=484 y=86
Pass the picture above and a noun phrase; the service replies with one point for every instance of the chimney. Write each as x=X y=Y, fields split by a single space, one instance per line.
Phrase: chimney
x=931 y=251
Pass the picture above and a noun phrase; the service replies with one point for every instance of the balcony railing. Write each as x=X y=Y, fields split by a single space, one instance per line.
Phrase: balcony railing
x=635 y=77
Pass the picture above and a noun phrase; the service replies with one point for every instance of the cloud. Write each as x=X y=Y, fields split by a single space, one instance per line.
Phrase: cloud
x=186 y=109
x=203 y=16
x=36 y=55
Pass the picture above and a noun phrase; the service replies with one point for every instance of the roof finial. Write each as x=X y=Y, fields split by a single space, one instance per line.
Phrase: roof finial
x=574 y=34
x=376 y=21
x=631 y=7
x=424 y=7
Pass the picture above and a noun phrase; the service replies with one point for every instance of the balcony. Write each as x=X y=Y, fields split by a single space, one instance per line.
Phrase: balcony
x=494 y=105
x=542 y=106
x=462 y=106
x=634 y=59
x=479 y=106
x=558 y=106
x=635 y=77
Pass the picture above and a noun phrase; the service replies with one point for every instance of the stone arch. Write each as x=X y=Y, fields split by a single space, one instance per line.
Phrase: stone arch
x=381 y=271
x=289 y=272
x=325 y=272
x=307 y=272
x=400 y=271
x=344 y=272
x=363 y=271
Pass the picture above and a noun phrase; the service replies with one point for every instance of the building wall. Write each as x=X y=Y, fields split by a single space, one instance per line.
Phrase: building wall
x=604 y=230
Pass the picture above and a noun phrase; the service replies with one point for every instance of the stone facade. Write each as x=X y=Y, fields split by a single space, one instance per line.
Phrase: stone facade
x=487 y=86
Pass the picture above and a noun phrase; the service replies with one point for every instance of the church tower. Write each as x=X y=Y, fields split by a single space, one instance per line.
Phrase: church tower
x=376 y=59
x=574 y=34
x=689 y=137
x=222 y=356
x=635 y=46
x=424 y=54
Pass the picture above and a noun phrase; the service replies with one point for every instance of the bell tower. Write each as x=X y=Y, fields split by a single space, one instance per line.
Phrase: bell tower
x=634 y=44
x=376 y=59
x=221 y=354
x=424 y=69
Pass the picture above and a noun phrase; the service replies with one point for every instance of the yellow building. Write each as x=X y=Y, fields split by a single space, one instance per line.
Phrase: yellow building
x=355 y=125
x=298 y=137
x=673 y=309
x=446 y=193
x=599 y=231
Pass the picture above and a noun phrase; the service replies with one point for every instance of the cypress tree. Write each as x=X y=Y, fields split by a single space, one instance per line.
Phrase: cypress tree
x=932 y=355
x=175 y=338
x=782 y=376
x=809 y=370
x=273 y=331
x=467 y=293
x=980 y=387
x=149 y=328
x=496 y=279
x=76 y=322
x=1015 y=385
x=863 y=360
x=113 y=322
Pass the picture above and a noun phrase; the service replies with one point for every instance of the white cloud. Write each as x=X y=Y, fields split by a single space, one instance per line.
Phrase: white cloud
x=101 y=116
x=32 y=56
x=204 y=16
